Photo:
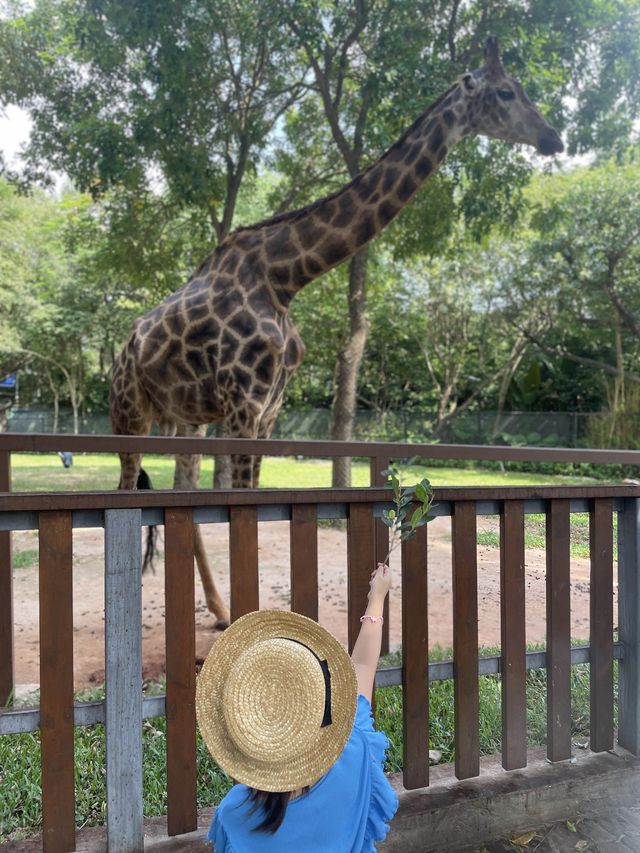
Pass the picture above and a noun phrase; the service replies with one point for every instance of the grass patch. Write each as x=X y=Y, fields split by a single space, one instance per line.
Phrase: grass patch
x=21 y=807
x=489 y=538
x=94 y=471
x=441 y=730
x=24 y=559
x=21 y=802
x=535 y=534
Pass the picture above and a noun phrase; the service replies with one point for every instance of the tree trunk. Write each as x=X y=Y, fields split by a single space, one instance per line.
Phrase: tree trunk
x=515 y=357
x=348 y=366
x=76 y=402
x=56 y=409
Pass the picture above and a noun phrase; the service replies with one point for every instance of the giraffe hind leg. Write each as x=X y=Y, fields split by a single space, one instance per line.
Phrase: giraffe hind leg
x=187 y=476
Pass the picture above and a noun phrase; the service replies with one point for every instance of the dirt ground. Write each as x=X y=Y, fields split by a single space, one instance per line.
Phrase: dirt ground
x=274 y=593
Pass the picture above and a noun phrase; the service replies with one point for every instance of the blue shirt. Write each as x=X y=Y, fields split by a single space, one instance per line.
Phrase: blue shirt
x=346 y=811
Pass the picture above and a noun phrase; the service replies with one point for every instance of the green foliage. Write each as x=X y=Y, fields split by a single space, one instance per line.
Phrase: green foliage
x=166 y=115
x=574 y=279
x=411 y=509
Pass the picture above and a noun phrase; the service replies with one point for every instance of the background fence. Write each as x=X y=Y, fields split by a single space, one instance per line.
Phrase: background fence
x=122 y=514
x=544 y=429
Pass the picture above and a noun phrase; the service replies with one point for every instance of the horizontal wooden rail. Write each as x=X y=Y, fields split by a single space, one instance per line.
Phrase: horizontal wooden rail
x=22 y=720
x=52 y=443
x=44 y=501
x=279 y=505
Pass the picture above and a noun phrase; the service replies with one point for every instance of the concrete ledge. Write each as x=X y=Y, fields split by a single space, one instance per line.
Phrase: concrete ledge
x=453 y=816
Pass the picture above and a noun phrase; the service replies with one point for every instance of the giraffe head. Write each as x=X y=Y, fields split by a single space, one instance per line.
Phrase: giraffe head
x=497 y=106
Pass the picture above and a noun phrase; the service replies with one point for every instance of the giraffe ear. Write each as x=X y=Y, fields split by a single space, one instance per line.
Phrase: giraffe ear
x=469 y=84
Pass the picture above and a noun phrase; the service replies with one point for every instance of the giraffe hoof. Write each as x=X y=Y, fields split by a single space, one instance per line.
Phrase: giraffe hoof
x=221 y=625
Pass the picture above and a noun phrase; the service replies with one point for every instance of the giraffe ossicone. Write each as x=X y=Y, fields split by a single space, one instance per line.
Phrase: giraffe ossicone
x=221 y=349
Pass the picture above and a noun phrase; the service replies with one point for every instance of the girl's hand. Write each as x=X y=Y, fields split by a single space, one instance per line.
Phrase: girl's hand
x=380 y=582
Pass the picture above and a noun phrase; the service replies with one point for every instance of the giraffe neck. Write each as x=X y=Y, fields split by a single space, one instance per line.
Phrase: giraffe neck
x=302 y=245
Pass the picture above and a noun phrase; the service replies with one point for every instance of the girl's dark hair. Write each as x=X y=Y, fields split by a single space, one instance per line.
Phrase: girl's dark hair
x=274 y=805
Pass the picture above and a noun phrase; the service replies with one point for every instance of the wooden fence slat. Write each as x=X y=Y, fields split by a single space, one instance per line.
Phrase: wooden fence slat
x=123 y=680
x=513 y=636
x=377 y=464
x=303 y=532
x=629 y=625
x=415 y=661
x=243 y=560
x=6 y=594
x=56 y=681
x=180 y=627
x=558 y=631
x=360 y=560
x=601 y=624
x=465 y=640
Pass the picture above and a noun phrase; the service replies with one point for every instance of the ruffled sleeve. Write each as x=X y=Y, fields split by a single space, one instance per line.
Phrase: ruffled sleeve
x=383 y=802
x=218 y=835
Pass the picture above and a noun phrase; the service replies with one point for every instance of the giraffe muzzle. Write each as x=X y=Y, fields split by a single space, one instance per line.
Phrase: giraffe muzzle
x=549 y=143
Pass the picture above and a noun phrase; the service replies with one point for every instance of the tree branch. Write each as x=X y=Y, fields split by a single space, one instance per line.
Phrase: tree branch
x=579 y=359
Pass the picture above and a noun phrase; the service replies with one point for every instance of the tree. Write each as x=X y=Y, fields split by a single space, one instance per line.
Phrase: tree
x=130 y=98
x=377 y=65
x=126 y=95
x=579 y=272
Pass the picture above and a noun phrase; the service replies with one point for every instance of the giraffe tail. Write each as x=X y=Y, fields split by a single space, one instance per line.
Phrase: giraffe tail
x=150 y=550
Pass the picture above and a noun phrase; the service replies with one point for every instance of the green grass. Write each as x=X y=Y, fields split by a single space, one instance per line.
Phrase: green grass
x=92 y=472
x=535 y=536
x=20 y=804
x=23 y=559
x=441 y=728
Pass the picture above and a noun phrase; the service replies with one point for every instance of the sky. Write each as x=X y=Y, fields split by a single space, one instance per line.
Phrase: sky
x=14 y=132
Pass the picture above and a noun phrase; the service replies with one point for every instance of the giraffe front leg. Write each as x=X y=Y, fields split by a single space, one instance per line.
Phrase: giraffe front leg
x=129 y=470
x=244 y=424
x=264 y=431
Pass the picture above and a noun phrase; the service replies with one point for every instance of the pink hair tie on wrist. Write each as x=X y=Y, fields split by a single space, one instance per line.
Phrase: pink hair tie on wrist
x=374 y=619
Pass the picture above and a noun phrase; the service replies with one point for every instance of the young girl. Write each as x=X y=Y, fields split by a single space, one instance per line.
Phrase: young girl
x=286 y=712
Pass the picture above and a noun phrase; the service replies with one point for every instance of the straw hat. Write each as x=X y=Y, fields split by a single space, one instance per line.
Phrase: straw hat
x=275 y=700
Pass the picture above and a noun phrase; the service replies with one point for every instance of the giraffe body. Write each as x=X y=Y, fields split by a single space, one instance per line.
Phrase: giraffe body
x=221 y=349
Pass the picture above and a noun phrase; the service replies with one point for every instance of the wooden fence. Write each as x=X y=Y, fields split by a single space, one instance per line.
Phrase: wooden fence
x=122 y=515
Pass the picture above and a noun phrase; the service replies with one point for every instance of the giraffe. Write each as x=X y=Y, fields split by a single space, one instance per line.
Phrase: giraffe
x=222 y=348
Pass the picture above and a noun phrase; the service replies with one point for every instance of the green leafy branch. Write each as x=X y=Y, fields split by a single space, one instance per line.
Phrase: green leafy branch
x=411 y=509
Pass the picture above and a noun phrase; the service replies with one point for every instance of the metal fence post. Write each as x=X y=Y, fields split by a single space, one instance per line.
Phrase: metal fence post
x=123 y=680
x=6 y=594
x=629 y=626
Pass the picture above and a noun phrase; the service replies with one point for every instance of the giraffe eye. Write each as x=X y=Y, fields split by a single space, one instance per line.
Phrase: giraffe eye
x=506 y=94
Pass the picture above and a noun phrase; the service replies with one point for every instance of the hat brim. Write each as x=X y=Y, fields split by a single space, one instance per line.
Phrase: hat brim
x=322 y=753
